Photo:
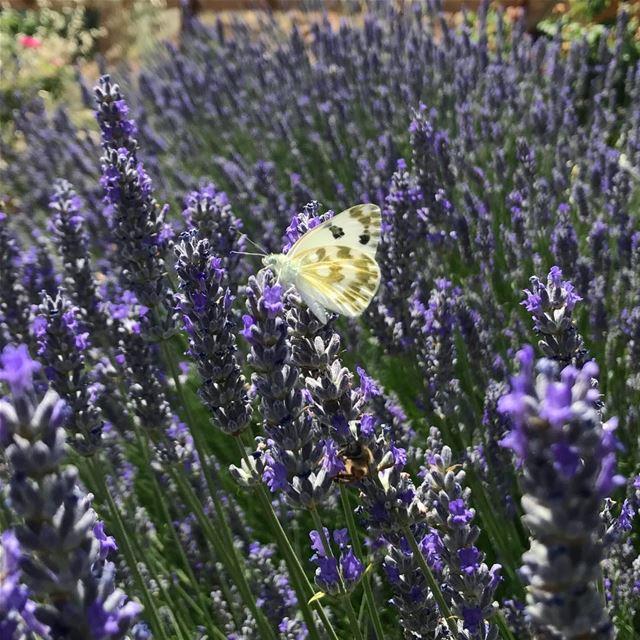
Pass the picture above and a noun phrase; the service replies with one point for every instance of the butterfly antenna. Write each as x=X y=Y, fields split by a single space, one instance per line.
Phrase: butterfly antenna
x=255 y=244
x=246 y=253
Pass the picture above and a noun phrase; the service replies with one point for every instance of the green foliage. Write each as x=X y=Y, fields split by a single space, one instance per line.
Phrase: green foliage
x=578 y=23
x=38 y=51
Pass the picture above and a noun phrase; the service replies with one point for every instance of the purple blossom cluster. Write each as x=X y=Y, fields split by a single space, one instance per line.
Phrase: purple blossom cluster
x=568 y=459
x=58 y=548
x=216 y=426
x=335 y=575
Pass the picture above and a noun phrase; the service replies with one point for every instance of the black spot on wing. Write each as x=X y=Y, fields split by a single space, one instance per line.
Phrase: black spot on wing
x=336 y=231
x=364 y=238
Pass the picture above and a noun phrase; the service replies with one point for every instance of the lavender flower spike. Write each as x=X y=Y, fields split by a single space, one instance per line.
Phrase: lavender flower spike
x=204 y=302
x=63 y=562
x=62 y=345
x=296 y=460
x=470 y=584
x=17 y=617
x=137 y=220
x=118 y=131
x=551 y=306
x=14 y=308
x=67 y=227
x=208 y=210
x=568 y=469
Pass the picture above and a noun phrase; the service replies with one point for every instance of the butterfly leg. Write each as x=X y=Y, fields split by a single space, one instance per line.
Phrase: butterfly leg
x=315 y=307
x=318 y=311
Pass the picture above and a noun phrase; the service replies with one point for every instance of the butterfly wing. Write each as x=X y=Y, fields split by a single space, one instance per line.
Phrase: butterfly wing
x=338 y=278
x=356 y=227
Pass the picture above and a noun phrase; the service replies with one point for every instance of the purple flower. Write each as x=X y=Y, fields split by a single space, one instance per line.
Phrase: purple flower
x=399 y=455
x=368 y=425
x=557 y=404
x=18 y=368
x=460 y=515
x=16 y=609
x=107 y=618
x=368 y=385
x=137 y=220
x=295 y=458
x=341 y=537
x=273 y=300
x=443 y=501
x=208 y=210
x=48 y=503
x=340 y=426
x=13 y=594
x=568 y=462
x=551 y=306
x=332 y=462
x=469 y=558
x=566 y=458
x=204 y=303
x=316 y=541
x=107 y=543
x=62 y=345
x=247 y=322
x=327 y=574
x=275 y=475
x=335 y=575
x=350 y=567
x=432 y=548
x=472 y=618
x=627 y=514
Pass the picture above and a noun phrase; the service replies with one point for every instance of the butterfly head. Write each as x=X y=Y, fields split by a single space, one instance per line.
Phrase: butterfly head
x=282 y=266
x=273 y=261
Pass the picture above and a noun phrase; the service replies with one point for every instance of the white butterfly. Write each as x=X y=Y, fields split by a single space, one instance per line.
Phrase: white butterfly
x=333 y=266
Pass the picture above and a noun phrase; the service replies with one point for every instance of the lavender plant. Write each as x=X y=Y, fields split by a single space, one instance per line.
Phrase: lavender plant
x=568 y=467
x=217 y=426
x=63 y=548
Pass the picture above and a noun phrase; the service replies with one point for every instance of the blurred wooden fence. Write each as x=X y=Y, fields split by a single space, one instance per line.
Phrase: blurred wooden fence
x=533 y=6
x=535 y=10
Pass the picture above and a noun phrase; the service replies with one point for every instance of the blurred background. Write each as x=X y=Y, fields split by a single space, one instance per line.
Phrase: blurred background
x=49 y=34
x=45 y=44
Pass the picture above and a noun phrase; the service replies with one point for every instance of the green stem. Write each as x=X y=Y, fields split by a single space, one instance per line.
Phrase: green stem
x=344 y=596
x=353 y=620
x=176 y=608
x=328 y=551
x=123 y=539
x=355 y=539
x=214 y=541
x=304 y=588
x=208 y=621
x=505 y=631
x=433 y=585
x=137 y=550
x=5 y=517
x=504 y=549
x=265 y=628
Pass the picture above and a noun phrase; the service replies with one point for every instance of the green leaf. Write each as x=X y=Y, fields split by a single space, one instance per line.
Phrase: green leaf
x=182 y=575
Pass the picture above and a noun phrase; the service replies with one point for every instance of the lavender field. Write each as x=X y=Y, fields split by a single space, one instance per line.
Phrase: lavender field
x=187 y=451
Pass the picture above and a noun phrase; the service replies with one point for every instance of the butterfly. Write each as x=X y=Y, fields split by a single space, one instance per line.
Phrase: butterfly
x=333 y=266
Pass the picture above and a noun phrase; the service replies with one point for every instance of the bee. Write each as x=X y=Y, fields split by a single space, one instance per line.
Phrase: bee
x=357 y=459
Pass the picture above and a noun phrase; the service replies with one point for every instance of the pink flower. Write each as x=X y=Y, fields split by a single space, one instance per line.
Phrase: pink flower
x=30 y=42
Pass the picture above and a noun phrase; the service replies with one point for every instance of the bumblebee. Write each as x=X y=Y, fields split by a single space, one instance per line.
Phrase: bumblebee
x=357 y=459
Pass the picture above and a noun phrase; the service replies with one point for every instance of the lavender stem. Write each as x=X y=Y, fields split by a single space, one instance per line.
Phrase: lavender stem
x=368 y=592
x=433 y=585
